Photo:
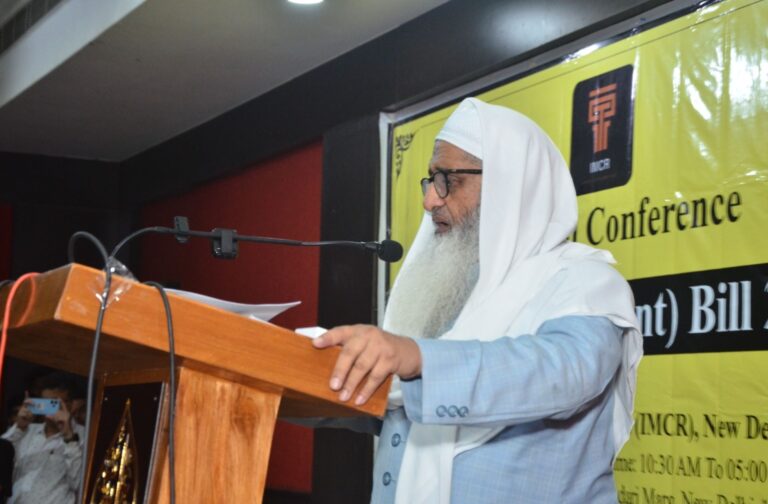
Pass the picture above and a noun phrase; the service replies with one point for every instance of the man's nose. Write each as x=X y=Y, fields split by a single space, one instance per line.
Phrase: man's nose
x=431 y=199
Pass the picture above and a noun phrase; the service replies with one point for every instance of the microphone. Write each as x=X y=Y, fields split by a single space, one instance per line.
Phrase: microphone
x=226 y=246
x=387 y=250
x=224 y=242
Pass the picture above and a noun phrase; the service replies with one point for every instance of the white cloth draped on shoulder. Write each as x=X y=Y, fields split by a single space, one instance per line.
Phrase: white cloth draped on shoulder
x=528 y=210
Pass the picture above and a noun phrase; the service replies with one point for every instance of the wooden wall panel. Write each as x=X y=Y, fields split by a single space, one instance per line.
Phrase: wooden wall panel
x=280 y=197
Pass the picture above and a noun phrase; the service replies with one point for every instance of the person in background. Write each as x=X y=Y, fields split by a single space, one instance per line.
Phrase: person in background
x=48 y=454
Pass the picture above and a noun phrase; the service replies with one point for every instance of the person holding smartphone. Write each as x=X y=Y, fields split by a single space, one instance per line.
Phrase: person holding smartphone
x=48 y=453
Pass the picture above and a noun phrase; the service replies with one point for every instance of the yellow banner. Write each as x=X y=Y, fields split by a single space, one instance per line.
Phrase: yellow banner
x=665 y=133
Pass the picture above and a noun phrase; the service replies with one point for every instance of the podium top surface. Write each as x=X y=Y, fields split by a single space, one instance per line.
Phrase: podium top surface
x=53 y=319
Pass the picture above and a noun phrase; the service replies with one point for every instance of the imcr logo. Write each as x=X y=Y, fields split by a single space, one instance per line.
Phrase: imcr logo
x=602 y=106
x=601 y=138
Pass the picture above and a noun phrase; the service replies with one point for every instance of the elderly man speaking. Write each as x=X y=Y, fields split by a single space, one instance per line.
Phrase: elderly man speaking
x=516 y=350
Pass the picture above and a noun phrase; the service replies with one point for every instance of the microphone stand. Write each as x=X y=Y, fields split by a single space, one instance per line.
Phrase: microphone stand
x=224 y=242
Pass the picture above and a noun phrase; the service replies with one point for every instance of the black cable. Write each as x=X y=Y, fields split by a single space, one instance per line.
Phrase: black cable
x=96 y=340
x=92 y=239
x=3 y=283
x=172 y=385
x=136 y=234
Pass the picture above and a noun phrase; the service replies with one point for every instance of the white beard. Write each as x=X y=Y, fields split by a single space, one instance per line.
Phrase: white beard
x=433 y=288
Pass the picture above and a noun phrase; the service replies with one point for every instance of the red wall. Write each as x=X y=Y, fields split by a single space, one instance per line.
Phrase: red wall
x=280 y=197
x=5 y=241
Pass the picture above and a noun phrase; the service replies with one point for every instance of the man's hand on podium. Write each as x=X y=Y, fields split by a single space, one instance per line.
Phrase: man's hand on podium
x=368 y=356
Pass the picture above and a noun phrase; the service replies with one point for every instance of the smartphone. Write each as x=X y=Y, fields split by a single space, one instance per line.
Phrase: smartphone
x=42 y=406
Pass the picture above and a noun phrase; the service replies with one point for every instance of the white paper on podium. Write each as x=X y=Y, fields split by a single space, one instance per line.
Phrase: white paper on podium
x=311 y=332
x=263 y=312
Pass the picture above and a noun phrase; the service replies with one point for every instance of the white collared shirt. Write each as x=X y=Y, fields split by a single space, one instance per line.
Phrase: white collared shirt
x=46 y=469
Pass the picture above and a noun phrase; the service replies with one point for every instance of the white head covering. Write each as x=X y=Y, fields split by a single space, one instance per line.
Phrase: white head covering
x=462 y=129
x=528 y=210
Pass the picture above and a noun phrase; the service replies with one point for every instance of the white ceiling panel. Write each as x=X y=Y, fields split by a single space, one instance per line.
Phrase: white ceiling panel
x=171 y=65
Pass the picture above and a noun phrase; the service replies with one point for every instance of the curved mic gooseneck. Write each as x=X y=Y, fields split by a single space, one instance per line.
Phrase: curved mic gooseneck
x=224 y=242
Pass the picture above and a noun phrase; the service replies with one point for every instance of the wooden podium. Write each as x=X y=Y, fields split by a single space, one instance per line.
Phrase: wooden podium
x=235 y=375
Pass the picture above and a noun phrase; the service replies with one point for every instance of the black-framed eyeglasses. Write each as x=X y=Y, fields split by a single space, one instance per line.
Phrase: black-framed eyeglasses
x=441 y=181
